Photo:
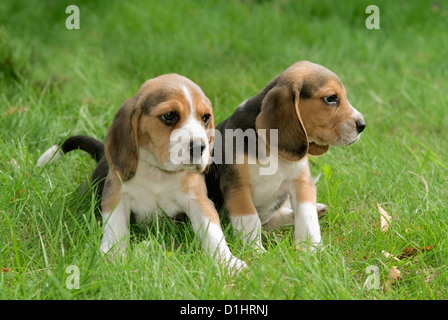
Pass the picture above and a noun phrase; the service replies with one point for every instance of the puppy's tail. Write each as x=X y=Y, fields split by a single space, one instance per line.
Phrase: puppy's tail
x=88 y=144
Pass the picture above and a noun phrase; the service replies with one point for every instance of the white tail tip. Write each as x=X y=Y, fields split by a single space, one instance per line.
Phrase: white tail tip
x=49 y=156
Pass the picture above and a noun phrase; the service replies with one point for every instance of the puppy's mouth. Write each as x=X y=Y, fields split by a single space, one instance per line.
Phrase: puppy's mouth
x=317 y=149
x=194 y=167
x=191 y=167
x=354 y=141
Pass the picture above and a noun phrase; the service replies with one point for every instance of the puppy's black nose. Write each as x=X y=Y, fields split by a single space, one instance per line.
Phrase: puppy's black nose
x=196 y=148
x=360 y=126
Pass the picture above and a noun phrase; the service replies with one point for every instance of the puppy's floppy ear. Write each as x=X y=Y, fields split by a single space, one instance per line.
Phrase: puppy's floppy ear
x=279 y=110
x=121 y=143
x=317 y=150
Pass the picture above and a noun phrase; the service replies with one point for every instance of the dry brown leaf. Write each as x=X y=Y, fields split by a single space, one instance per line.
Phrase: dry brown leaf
x=407 y=230
x=389 y=255
x=412 y=251
x=393 y=276
x=385 y=218
x=15 y=109
x=4 y=270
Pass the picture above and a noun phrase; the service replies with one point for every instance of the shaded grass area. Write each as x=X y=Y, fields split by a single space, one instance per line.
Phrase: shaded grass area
x=55 y=82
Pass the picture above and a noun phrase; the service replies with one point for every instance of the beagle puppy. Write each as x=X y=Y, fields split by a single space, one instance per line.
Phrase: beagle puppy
x=305 y=110
x=155 y=153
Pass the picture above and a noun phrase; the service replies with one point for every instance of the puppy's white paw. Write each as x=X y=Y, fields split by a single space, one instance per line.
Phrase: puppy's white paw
x=321 y=209
x=235 y=265
x=258 y=247
x=113 y=248
x=308 y=247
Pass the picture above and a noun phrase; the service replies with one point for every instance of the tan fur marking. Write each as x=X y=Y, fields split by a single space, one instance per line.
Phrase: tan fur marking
x=322 y=122
x=154 y=135
x=111 y=194
x=238 y=198
x=304 y=187
x=194 y=182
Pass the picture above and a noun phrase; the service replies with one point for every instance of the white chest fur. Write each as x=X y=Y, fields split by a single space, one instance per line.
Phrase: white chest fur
x=267 y=190
x=153 y=191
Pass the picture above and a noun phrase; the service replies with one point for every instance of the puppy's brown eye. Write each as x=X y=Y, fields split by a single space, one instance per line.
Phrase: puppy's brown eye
x=331 y=100
x=170 y=118
x=206 y=119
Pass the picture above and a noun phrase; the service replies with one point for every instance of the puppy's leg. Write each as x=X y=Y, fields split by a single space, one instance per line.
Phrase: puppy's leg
x=303 y=201
x=321 y=209
x=244 y=216
x=205 y=221
x=116 y=228
x=285 y=215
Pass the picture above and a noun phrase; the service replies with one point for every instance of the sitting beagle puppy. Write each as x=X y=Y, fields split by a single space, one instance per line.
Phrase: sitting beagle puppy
x=155 y=153
x=306 y=110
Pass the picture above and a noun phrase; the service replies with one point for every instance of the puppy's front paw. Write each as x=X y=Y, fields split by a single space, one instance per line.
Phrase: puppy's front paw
x=310 y=247
x=232 y=264
x=236 y=265
x=113 y=248
x=321 y=209
x=259 y=248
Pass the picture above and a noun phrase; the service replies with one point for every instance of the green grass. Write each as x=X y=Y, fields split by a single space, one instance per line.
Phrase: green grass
x=55 y=82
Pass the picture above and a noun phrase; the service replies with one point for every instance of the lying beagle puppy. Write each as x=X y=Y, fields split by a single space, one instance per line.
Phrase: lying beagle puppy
x=306 y=110
x=155 y=153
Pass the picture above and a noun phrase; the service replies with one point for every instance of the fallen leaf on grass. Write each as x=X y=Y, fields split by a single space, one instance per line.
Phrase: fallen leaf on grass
x=16 y=195
x=385 y=218
x=393 y=276
x=388 y=255
x=412 y=251
x=411 y=230
x=15 y=109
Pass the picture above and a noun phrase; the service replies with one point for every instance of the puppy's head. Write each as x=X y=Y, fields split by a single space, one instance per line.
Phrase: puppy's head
x=168 y=124
x=308 y=105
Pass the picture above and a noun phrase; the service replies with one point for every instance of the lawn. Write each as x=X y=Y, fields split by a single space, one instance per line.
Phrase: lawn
x=55 y=82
